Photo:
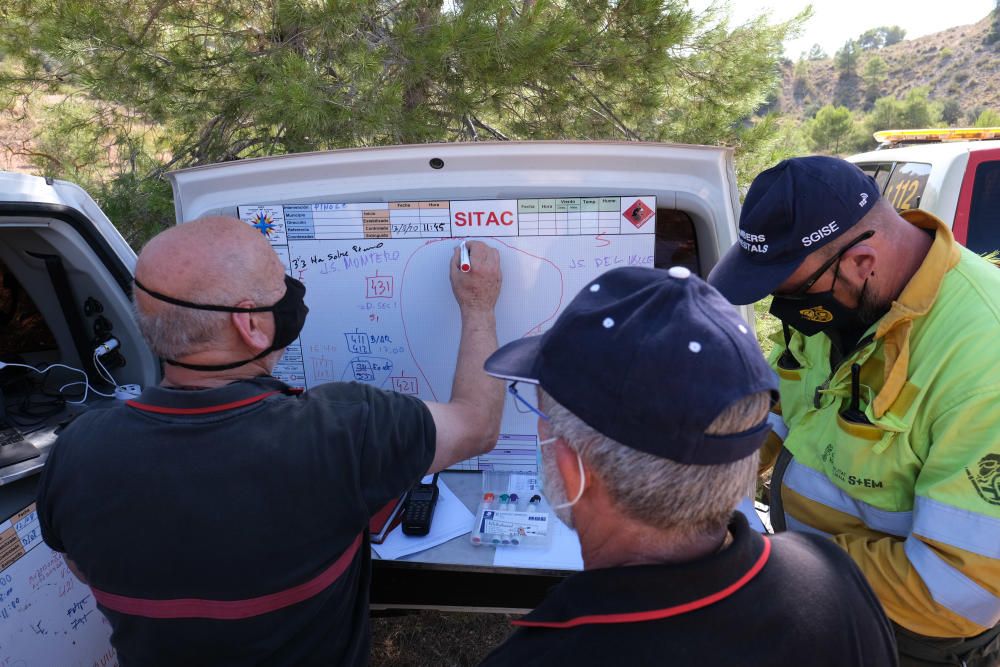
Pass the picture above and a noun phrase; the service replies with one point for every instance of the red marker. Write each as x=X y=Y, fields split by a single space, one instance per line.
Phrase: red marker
x=465 y=264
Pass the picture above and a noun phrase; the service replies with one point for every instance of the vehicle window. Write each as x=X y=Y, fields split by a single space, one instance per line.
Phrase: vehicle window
x=22 y=327
x=984 y=214
x=676 y=244
x=869 y=168
x=882 y=175
x=879 y=171
x=906 y=185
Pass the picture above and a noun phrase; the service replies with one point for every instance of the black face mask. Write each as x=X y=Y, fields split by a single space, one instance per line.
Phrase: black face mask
x=819 y=312
x=812 y=313
x=289 y=317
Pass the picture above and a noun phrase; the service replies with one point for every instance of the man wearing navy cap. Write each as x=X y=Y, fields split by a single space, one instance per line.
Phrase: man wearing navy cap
x=646 y=449
x=889 y=396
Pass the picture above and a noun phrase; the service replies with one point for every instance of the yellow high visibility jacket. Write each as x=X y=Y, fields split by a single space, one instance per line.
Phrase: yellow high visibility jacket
x=913 y=495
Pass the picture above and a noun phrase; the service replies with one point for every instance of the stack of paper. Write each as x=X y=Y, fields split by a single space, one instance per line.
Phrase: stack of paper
x=451 y=519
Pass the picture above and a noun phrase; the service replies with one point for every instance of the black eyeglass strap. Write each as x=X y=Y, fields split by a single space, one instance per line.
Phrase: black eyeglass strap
x=828 y=263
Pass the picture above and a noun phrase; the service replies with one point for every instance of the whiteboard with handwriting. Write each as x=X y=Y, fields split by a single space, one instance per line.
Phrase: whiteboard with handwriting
x=47 y=617
x=381 y=309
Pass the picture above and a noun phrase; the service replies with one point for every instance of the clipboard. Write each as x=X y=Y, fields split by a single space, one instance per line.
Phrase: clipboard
x=385 y=520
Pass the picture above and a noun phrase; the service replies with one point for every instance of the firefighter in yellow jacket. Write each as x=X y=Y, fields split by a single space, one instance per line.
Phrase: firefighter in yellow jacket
x=889 y=365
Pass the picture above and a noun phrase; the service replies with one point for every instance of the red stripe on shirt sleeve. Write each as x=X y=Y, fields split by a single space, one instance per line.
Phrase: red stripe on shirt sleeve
x=230 y=610
x=198 y=411
x=656 y=614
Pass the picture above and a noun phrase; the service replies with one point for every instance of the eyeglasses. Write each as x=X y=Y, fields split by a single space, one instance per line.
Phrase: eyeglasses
x=800 y=293
x=512 y=390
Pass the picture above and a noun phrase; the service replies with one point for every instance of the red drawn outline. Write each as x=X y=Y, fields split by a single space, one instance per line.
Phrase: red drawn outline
x=562 y=286
x=402 y=314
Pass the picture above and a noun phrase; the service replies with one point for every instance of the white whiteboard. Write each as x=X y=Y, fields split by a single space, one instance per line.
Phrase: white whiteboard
x=47 y=617
x=381 y=309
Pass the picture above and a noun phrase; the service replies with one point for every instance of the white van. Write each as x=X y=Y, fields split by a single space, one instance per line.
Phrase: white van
x=67 y=280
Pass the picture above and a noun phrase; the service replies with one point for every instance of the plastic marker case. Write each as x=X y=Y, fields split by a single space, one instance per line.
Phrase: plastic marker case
x=512 y=513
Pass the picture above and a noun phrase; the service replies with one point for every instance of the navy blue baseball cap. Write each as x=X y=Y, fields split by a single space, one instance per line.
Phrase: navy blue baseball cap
x=649 y=358
x=791 y=210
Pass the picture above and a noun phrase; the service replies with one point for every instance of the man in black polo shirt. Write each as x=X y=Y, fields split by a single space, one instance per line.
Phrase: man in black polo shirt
x=647 y=447
x=220 y=518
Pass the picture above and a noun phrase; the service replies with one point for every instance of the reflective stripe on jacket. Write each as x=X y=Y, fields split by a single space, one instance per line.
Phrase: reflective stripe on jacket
x=913 y=495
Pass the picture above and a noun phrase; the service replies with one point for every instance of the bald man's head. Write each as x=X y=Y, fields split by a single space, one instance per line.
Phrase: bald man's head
x=213 y=260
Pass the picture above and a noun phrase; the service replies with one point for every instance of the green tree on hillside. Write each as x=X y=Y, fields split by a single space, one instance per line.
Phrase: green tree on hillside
x=919 y=110
x=816 y=52
x=829 y=128
x=846 y=59
x=848 y=86
x=988 y=118
x=914 y=111
x=893 y=35
x=169 y=84
x=801 y=86
x=875 y=75
x=869 y=40
x=994 y=33
x=951 y=111
x=860 y=139
x=880 y=37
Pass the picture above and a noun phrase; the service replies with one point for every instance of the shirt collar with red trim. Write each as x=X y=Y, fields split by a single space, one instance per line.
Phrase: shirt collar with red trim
x=650 y=592
x=164 y=400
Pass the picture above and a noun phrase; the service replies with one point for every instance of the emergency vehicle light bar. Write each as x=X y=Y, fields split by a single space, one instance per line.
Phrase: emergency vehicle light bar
x=938 y=134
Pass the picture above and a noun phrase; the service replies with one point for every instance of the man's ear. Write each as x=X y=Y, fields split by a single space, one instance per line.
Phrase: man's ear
x=252 y=331
x=569 y=468
x=858 y=264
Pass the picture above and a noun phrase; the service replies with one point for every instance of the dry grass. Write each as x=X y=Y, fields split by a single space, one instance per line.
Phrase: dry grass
x=766 y=325
x=19 y=125
x=16 y=131
x=430 y=638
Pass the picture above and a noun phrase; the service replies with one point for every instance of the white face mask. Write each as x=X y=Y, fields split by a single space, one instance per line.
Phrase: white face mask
x=553 y=487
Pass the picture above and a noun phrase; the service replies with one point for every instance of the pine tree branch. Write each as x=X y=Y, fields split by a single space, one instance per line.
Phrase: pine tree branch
x=495 y=132
x=629 y=133
x=51 y=158
x=153 y=15
x=471 y=126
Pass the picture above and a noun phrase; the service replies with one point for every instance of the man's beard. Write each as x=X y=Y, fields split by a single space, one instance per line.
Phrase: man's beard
x=846 y=334
x=555 y=490
x=871 y=307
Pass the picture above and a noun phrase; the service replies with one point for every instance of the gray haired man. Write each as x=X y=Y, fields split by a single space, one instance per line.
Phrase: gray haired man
x=654 y=399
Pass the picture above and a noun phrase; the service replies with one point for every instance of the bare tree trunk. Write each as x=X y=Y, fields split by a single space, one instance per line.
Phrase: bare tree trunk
x=427 y=12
